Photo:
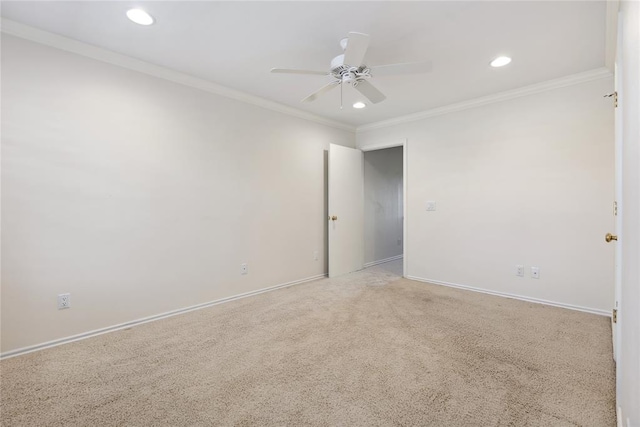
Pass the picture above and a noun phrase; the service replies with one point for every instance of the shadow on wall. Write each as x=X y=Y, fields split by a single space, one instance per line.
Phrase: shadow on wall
x=383 y=211
x=326 y=211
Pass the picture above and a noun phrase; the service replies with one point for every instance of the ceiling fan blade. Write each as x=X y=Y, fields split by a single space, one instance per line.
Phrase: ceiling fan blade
x=401 y=69
x=323 y=89
x=357 y=44
x=370 y=91
x=294 y=71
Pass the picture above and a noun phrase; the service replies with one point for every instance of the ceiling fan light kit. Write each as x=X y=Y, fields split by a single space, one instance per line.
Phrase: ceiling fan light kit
x=500 y=61
x=343 y=70
x=140 y=17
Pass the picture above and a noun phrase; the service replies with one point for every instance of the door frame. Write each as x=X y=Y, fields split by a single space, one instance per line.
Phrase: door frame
x=404 y=143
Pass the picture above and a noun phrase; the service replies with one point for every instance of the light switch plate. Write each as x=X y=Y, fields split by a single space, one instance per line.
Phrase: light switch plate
x=431 y=205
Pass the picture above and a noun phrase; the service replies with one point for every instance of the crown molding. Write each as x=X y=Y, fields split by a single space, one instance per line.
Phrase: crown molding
x=574 y=79
x=74 y=46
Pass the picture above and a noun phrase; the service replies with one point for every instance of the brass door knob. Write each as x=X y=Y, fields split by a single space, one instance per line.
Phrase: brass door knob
x=609 y=237
x=334 y=218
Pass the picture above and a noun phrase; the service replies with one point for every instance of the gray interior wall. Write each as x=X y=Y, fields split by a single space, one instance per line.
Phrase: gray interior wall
x=383 y=204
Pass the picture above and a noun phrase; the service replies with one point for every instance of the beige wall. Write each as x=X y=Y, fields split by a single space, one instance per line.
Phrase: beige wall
x=140 y=196
x=382 y=204
x=525 y=181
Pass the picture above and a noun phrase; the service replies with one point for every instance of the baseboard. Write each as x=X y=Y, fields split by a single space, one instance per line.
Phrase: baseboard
x=621 y=422
x=382 y=261
x=514 y=296
x=85 y=335
x=619 y=416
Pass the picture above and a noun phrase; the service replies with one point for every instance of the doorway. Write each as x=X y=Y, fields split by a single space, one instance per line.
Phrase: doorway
x=384 y=208
x=346 y=204
x=346 y=209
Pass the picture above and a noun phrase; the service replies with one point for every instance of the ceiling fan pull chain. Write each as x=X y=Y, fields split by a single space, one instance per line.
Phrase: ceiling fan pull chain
x=340 y=96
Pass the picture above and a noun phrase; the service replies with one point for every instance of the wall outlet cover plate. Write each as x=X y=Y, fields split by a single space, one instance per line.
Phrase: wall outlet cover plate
x=535 y=272
x=64 y=301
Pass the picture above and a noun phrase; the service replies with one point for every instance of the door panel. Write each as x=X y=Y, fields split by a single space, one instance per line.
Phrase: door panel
x=618 y=203
x=346 y=204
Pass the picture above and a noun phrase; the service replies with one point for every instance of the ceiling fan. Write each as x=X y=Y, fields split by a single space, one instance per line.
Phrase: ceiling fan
x=349 y=68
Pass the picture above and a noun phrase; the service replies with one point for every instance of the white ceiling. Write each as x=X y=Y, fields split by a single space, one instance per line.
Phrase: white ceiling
x=236 y=44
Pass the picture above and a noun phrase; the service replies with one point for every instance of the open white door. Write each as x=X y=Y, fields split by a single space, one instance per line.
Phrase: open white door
x=346 y=210
x=618 y=203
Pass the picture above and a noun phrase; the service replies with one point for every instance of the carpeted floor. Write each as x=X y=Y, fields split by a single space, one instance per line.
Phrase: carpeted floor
x=367 y=349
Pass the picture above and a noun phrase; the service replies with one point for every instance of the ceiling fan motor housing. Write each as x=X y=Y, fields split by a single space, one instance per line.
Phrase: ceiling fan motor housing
x=346 y=73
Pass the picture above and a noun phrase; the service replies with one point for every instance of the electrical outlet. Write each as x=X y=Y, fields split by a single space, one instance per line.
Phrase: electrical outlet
x=399 y=242
x=316 y=256
x=244 y=269
x=431 y=205
x=64 y=301
x=535 y=272
x=520 y=270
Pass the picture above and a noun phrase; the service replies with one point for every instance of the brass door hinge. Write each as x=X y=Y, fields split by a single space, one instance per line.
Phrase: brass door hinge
x=614 y=315
x=613 y=95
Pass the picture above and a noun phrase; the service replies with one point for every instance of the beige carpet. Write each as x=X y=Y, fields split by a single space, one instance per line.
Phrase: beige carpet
x=363 y=350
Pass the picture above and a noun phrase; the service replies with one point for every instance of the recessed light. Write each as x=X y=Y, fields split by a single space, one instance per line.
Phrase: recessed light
x=139 y=16
x=359 y=105
x=500 y=61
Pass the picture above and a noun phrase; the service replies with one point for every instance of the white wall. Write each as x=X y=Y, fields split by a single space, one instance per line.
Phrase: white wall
x=140 y=196
x=382 y=204
x=628 y=372
x=525 y=181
